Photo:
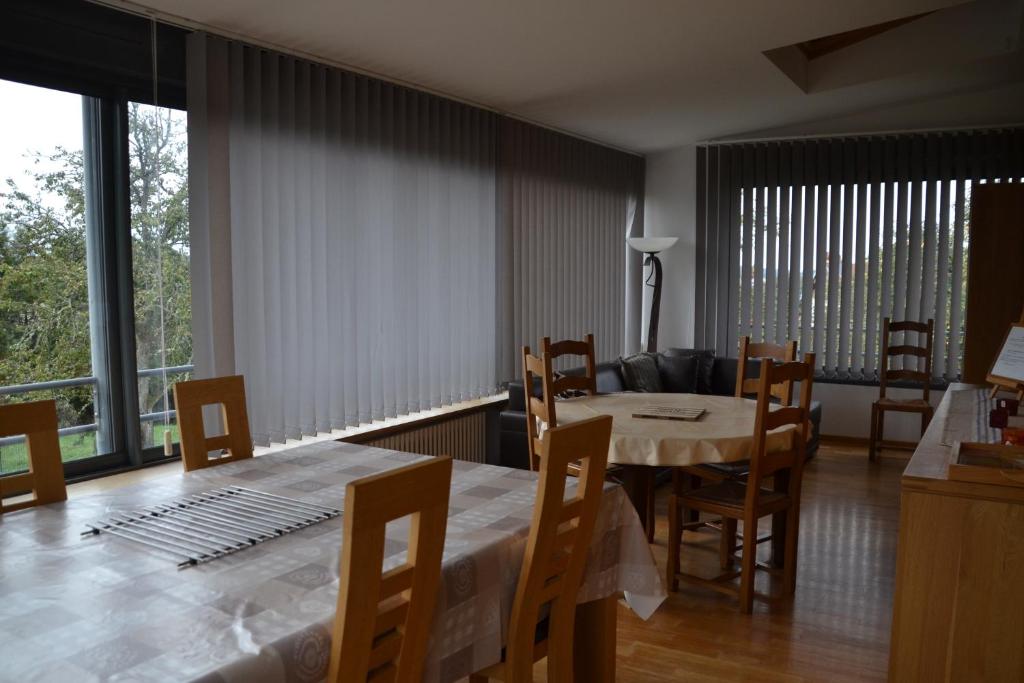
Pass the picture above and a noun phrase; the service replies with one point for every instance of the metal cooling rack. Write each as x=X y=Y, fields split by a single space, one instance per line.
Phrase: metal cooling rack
x=211 y=524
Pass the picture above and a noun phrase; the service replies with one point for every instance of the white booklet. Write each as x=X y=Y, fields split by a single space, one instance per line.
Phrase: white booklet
x=669 y=413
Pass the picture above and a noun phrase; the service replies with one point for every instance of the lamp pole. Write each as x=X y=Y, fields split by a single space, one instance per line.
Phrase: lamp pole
x=651 y=246
x=652 y=325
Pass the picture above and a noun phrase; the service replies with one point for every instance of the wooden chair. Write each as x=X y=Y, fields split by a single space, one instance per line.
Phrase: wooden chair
x=748 y=501
x=747 y=387
x=556 y=555
x=383 y=621
x=541 y=413
x=189 y=400
x=37 y=421
x=915 y=405
x=542 y=410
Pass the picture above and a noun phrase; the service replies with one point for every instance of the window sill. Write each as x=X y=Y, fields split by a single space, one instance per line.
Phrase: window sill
x=380 y=428
x=123 y=476
x=871 y=380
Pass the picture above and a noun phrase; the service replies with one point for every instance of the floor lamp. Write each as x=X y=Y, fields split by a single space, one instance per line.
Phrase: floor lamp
x=651 y=246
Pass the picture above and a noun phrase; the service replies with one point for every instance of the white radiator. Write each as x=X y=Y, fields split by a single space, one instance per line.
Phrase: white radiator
x=463 y=438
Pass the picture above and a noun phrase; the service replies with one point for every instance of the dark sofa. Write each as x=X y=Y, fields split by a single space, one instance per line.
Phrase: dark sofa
x=716 y=375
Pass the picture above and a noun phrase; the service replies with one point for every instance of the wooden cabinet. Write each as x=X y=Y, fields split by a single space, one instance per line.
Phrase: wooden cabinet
x=995 y=275
x=959 y=602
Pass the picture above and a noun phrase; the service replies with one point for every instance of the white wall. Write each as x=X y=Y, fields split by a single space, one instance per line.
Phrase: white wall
x=669 y=212
x=846 y=411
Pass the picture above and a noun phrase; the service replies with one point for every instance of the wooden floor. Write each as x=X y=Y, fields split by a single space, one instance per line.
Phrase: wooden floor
x=837 y=626
x=835 y=629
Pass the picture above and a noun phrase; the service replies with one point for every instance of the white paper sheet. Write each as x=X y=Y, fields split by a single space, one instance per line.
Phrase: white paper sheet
x=1010 y=363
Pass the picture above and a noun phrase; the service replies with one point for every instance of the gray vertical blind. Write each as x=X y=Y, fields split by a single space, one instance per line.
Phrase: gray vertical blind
x=566 y=207
x=356 y=224
x=818 y=240
x=363 y=250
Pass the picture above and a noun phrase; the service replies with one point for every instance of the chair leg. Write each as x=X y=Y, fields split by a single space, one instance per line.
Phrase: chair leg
x=874 y=433
x=748 y=564
x=926 y=418
x=560 y=646
x=792 y=544
x=727 y=543
x=674 y=537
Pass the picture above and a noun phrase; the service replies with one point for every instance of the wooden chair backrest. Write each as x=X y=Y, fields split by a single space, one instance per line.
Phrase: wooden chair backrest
x=189 y=399
x=384 y=619
x=889 y=351
x=749 y=386
x=542 y=410
x=556 y=551
x=762 y=463
x=37 y=421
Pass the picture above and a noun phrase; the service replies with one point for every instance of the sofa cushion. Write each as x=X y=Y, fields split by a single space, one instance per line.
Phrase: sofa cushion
x=705 y=366
x=678 y=373
x=516 y=396
x=609 y=376
x=723 y=379
x=641 y=373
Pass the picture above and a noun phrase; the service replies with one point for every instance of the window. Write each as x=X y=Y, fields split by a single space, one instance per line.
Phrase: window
x=158 y=164
x=47 y=292
x=69 y=329
x=820 y=240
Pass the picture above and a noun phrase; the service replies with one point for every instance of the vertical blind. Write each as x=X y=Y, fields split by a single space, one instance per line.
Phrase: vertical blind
x=566 y=207
x=362 y=250
x=353 y=224
x=820 y=240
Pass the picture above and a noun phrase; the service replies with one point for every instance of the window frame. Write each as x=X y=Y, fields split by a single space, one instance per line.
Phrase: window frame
x=109 y=267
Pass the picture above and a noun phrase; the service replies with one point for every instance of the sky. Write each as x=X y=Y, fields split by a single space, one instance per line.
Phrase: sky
x=35 y=120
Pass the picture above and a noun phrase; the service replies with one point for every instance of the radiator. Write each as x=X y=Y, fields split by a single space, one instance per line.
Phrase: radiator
x=463 y=438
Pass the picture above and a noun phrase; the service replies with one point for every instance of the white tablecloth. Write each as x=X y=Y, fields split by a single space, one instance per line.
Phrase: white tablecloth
x=725 y=432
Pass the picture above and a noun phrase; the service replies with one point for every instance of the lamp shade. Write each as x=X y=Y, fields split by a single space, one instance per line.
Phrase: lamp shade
x=651 y=245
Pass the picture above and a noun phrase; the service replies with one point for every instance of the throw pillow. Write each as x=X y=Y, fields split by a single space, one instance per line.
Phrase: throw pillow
x=641 y=373
x=678 y=374
x=705 y=366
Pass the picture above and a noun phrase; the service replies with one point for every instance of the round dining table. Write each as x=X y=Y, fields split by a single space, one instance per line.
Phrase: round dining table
x=723 y=433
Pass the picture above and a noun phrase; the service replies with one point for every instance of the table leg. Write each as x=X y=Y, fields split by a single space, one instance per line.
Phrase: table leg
x=639 y=485
x=649 y=516
x=779 y=521
x=693 y=516
x=594 y=640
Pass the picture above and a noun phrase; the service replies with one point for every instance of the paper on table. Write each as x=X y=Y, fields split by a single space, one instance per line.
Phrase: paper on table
x=1010 y=363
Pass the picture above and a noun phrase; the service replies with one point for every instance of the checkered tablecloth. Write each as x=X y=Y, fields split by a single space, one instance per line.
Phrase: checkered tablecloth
x=102 y=608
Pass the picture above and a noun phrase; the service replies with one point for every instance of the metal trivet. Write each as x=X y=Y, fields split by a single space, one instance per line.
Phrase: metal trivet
x=211 y=524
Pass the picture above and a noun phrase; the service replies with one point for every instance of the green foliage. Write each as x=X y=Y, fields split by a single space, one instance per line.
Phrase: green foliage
x=44 y=289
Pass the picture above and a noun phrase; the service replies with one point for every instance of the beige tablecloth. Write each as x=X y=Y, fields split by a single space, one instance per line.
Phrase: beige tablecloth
x=725 y=432
x=101 y=608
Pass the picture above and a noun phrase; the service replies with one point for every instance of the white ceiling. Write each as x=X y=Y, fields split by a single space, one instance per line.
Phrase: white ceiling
x=644 y=75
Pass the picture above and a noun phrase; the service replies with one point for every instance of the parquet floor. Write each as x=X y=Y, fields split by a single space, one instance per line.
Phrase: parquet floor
x=837 y=626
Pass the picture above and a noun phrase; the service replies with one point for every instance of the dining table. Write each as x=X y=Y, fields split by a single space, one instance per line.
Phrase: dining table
x=722 y=433
x=97 y=607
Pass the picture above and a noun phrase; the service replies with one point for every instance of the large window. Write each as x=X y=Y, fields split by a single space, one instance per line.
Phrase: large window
x=158 y=158
x=820 y=240
x=70 y=330
x=45 y=321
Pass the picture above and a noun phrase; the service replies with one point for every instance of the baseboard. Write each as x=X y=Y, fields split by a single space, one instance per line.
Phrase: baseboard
x=839 y=440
